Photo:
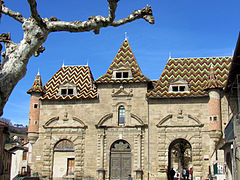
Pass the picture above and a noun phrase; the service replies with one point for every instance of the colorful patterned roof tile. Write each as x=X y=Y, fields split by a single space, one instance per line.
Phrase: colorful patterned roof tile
x=195 y=71
x=212 y=82
x=80 y=76
x=124 y=58
x=37 y=86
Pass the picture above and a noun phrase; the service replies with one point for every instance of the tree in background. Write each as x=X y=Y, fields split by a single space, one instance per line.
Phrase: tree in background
x=36 y=30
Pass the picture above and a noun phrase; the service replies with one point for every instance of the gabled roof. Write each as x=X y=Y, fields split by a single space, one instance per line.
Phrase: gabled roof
x=124 y=58
x=37 y=86
x=80 y=76
x=195 y=71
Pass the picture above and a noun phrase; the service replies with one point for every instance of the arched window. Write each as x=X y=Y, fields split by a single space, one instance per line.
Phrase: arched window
x=121 y=115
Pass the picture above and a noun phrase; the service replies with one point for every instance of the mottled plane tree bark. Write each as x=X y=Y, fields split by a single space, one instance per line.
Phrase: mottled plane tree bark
x=36 y=30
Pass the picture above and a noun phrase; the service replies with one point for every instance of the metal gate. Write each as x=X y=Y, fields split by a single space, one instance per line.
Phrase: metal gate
x=120 y=164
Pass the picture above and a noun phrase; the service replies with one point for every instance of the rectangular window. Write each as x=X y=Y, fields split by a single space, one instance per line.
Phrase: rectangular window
x=121 y=115
x=70 y=91
x=175 y=88
x=182 y=88
x=63 y=91
x=118 y=75
x=24 y=157
x=215 y=118
x=70 y=166
x=125 y=74
x=35 y=105
x=24 y=171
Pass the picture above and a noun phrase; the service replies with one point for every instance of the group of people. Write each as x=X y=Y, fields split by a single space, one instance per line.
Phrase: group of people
x=184 y=176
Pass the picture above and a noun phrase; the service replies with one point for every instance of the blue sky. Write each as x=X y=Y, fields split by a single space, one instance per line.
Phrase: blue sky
x=186 y=28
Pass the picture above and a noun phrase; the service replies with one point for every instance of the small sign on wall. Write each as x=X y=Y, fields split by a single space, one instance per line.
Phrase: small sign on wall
x=197 y=178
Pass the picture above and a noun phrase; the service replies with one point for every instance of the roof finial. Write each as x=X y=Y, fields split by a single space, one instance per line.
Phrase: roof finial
x=63 y=64
x=87 y=63
x=126 y=36
x=170 y=55
x=38 y=72
x=211 y=65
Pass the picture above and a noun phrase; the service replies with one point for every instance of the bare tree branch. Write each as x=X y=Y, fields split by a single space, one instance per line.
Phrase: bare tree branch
x=34 y=12
x=112 y=6
x=1 y=2
x=96 y=22
x=145 y=13
x=36 y=31
x=16 y=15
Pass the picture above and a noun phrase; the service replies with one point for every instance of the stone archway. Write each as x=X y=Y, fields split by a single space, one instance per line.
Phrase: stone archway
x=179 y=155
x=120 y=160
x=63 y=159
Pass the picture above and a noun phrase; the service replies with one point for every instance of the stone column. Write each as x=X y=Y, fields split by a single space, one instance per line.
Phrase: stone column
x=162 y=153
x=197 y=158
x=140 y=151
x=47 y=157
x=139 y=171
x=101 y=171
x=78 y=158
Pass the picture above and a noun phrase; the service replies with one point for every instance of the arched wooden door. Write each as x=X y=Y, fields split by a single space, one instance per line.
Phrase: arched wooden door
x=120 y=160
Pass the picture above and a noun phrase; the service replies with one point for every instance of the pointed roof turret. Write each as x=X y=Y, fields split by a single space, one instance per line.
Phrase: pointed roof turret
x=212 y=82
x=37 y=85
x=123 y=60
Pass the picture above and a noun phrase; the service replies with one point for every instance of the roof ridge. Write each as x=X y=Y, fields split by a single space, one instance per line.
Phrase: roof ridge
x=206 y=57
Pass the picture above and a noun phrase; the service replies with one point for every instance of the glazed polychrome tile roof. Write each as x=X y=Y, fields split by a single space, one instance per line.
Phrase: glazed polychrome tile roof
x=80 y=76
x=196 y=72
x=37 y=86
x=124 y=58
x=212 y=82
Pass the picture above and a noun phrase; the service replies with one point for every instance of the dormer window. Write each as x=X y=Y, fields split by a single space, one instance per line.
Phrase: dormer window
x=178 y=88
x=122 y=73
x=67 y=89
x=178 y=85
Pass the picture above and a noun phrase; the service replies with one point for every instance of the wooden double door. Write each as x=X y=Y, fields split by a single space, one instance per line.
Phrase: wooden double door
x=120 y=163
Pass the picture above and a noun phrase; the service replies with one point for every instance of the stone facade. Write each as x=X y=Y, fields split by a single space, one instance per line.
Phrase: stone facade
x=5 y=155
x=121 y=122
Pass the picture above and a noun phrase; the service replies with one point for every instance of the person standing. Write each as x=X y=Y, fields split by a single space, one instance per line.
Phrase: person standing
x=191 y=172
x=187 y=174
x=171 y=174
x=184 y=173
x=129 y=177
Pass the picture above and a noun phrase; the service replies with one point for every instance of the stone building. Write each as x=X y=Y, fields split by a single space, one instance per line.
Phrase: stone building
x=232 y=131
x=124 y=123
x=5 y=155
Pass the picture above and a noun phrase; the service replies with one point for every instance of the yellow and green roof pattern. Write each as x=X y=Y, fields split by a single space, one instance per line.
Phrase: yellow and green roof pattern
x=80 y=76
x=37 y=86
x=195 y=71
x=124 y=58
